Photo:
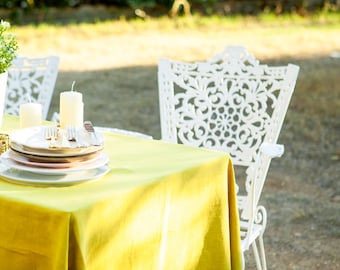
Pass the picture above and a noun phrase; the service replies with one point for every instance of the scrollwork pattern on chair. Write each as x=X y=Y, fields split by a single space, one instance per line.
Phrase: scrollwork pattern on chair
x=31 y=79
x=23 y=85
x=225 y=112
x=261 y=216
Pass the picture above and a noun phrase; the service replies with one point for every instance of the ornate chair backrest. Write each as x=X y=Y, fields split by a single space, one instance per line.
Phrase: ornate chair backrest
x=229 y=103
x=31 y=78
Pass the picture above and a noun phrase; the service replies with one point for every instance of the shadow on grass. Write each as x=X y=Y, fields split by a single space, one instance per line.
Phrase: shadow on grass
x=121 y=98
x=127 y=98
x=129 y=95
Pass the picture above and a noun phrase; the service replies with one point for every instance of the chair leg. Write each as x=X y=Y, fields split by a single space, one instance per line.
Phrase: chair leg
x=260 y=257
x=262 y=253
x=256 y=256
x=243 y=261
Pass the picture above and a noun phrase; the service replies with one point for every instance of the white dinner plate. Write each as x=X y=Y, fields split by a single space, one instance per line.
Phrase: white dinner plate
x=32 y=141
x=51 y=168
x=33 y=179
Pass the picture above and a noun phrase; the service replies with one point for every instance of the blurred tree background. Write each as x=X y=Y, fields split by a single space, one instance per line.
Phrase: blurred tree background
x=205 y=7
x=239 y=6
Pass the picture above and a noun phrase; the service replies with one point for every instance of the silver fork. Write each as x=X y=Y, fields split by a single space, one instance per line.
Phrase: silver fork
x=51 y=134
x=72 y=136
x=71 y=133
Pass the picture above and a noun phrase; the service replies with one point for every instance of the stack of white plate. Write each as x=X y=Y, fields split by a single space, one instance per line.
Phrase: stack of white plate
x=33 y=160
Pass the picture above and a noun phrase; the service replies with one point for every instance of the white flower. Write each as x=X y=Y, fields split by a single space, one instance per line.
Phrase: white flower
x=5 y=24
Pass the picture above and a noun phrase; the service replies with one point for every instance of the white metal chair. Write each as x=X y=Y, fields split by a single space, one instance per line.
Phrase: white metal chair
x=31 y=78
x=230 y=103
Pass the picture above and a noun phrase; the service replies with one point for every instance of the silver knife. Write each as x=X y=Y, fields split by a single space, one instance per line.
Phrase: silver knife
x=90 y=129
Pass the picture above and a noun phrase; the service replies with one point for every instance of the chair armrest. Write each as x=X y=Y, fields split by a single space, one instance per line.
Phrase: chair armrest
x=272 y=149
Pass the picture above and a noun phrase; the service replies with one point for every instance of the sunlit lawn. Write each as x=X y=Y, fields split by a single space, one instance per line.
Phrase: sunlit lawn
x=144 y=41
x=130 y=43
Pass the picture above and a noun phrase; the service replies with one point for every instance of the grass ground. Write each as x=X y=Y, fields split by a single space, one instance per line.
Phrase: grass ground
x=114 y=64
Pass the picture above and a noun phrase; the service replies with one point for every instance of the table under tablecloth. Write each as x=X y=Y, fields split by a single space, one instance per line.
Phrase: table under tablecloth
x=161 y=206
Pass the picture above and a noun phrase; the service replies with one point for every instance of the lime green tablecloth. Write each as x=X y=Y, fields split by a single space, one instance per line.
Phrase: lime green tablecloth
x=162 y=206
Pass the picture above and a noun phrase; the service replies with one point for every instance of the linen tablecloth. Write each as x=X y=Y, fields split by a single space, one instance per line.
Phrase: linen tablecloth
x=161 y=206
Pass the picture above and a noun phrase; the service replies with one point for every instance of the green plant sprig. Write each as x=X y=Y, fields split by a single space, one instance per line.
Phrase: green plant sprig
x=8 y=46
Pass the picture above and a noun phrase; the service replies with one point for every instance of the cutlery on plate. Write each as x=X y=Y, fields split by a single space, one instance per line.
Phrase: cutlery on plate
x=71 y=133
x=72 y=136
x=51 y=134
x=90 y=130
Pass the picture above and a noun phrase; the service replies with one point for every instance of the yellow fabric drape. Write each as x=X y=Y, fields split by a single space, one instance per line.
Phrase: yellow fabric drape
x=161 y=206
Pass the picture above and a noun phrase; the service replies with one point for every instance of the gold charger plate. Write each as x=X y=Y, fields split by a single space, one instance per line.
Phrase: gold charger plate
x=58 y=158
x=28 y=161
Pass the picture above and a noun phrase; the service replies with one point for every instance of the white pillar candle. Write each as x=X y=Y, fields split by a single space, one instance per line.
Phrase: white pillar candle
x=30 y=115
x=71 y=109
